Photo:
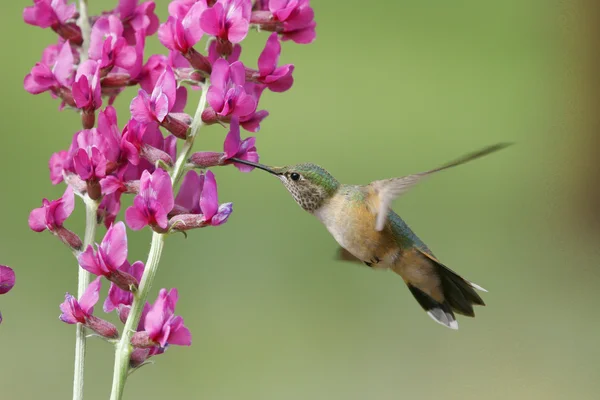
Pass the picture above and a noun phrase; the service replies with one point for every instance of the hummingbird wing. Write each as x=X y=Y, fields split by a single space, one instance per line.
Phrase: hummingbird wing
x=389 y=189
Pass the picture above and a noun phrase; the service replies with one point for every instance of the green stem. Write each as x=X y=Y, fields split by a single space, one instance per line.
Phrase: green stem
x=91 y=207
x=186 y=149
x=124 y=348
x=86 y=30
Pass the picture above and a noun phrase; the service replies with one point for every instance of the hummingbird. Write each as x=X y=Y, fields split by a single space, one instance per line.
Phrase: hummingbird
x=368 y=231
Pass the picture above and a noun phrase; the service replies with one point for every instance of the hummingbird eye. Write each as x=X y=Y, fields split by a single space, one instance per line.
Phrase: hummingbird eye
x=295 y=176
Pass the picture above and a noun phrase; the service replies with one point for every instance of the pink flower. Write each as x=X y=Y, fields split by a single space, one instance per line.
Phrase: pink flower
x=109 y=47
x=235 y=147
x=137 y=17
x=56 y=78
x=151 y=71
x=122 y=299
x=75 y=311
x=293 y=19
x=213 y=54
x=53 y=213
x=277 y=79
x=227 y=20
x=226 y=94
x=163 y=106
x=54 y=14
x=7 y=279
x=110 y=256
x=86 y=91
x=145 y=141
x=161 y=326
x=57 y=164
x=198 y=203
x=153 y=202
x=45 y=13
x=182 y=31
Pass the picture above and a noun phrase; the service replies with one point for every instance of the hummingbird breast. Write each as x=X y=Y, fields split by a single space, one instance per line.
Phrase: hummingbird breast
x=350 y=217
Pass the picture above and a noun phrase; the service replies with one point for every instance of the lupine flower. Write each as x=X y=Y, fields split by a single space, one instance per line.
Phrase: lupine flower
x=7 y=279
x=293 y=19
x=165 y=99
x=109 y=47
x=54 y=14
x=152 y=70
x=227 y=20
x=137 y=17
x=52 y=216
x=214 y=55
x=142 y=140
x=75 y=311
x=57 y=164
x=86 y=91
x=120 y=299
x=109 y=258
x=153 y=202
x=187 y=214
x=226 y=94
x=181 y=32
x=242 y=149
x=277 y=79
x=56 y=78
x=161 y=326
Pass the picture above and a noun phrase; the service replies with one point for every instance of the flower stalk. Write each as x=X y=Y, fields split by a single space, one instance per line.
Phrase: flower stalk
x=124 y=348
x=91 y=207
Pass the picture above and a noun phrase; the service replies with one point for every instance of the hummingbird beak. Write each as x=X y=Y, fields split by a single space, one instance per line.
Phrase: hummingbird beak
x=256 y=165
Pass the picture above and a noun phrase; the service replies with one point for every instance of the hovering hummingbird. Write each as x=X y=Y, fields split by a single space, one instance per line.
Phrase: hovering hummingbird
x=369 y=231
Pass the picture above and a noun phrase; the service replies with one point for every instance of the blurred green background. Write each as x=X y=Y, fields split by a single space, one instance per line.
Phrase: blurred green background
x=388 y=88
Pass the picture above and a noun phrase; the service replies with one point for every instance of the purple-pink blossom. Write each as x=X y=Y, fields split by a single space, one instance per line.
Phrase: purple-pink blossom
x=164 y=105
x=226 y=95
x=118 y=298
x=277 y=79
x=228 y=20
x=197 y=203
x=161 y=326
x=152 y=203
x=182 y=30
x=293 y=19
x=55 y=14
x=137 y=17
x=109 y=257
x=242 y=149
x=7 y=279
x=56 y=78
x=109 y=47
x=53 y=213
x=75 y=311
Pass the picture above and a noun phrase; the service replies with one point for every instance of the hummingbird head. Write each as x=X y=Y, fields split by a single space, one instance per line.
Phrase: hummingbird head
x=309 y=184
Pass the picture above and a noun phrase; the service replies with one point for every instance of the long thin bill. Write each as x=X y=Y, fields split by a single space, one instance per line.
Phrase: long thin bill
x=253 y=164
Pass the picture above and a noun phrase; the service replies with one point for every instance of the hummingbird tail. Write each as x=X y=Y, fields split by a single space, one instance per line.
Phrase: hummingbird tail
x=456 y=294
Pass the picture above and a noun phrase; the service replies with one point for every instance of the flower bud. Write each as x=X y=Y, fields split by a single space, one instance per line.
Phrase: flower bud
x=206 y=159
x=198 y=61
x=152 y=154
x=67 y=237
x=102 y=327
x=123 y=280
x=142 y=340
x=177 y=124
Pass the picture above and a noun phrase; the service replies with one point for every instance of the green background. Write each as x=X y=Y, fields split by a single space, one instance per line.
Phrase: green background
x=388 y=88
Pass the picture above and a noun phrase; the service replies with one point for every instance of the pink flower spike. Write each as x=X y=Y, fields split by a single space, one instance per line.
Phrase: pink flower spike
x=234 y=147
x=53 y=213
x=162 y=326
x=277 y=79
x=7 y=279
x=153 y=202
